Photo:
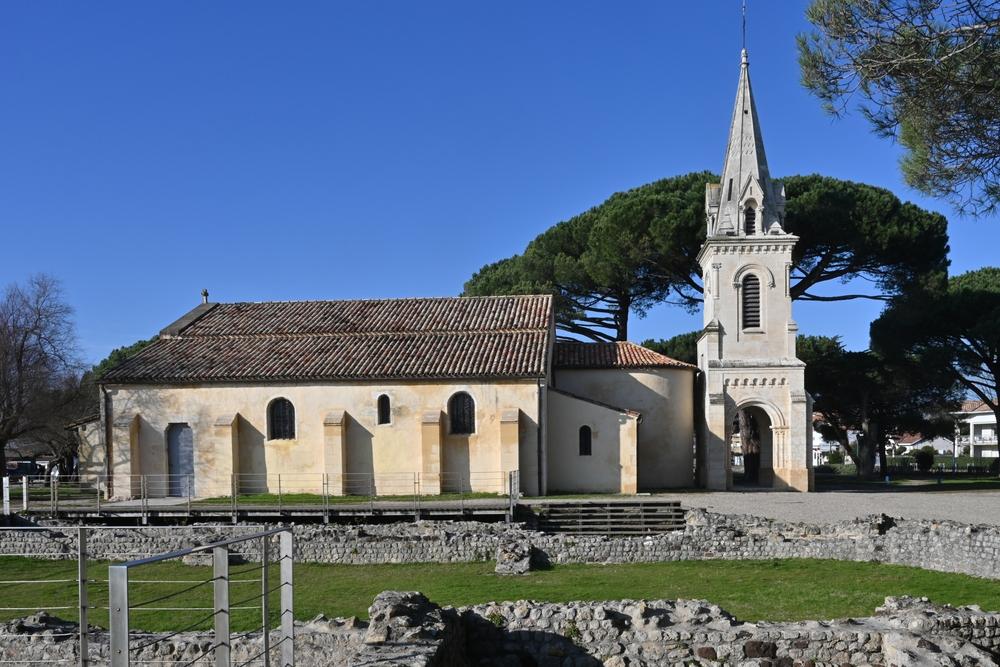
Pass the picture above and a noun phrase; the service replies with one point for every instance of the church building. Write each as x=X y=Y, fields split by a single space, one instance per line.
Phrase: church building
x=395 y=396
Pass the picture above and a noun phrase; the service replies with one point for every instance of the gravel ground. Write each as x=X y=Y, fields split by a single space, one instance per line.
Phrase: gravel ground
x=829 y=506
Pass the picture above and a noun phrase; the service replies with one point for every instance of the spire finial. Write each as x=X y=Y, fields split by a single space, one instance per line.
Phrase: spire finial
x=744 y=30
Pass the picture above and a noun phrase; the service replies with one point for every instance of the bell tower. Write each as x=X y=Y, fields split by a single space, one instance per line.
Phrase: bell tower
x=746 y=350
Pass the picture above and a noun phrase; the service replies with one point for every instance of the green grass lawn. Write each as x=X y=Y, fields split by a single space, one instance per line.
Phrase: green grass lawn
x=752 y=590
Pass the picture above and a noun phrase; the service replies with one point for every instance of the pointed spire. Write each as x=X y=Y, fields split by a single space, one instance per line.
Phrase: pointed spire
x=746 y=181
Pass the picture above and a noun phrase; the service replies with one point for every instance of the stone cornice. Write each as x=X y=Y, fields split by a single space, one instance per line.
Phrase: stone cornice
x=746 y=245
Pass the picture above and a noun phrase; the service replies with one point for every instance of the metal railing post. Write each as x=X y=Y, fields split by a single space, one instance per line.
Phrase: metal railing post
x=144 y=502
x=286 y=546
x=220 y=602
x=24 y=493
x=81 y=586
x=97 y=492
x=6 y=495
x=190 y=491
x=265 y=604
x=416 y=496
x=234 y=484
x=54 y=494
x=118 y=603
x=326 y=498
x=279 y=493
x=371 y=492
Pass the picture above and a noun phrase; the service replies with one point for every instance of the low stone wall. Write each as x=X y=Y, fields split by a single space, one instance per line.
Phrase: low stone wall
x=407 y=629
x=935 y=545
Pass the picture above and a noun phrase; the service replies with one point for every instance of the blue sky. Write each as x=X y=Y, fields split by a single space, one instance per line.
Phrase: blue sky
x=316 y=150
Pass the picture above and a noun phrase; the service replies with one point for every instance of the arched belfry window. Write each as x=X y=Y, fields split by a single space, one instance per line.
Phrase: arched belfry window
x=280 y=420
x=384 y=410
x=750 y=221
x=462 y=414
x=586 y=441
x=751 y=302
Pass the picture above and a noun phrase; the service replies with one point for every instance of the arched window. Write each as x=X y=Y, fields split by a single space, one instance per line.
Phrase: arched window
x=462 y=414
x=281 y=420
x=384 y=410
x=585 y=441
x=751 y=302
x=750 y=221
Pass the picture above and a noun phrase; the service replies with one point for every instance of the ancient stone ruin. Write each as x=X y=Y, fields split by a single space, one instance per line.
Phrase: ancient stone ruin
x=408 y=629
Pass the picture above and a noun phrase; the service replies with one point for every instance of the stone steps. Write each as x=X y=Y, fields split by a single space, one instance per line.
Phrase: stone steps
x=612 y=518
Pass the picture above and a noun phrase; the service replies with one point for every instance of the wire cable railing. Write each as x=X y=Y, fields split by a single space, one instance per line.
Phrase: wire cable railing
x=124 y=654
x=260 y=493
x=165 y=599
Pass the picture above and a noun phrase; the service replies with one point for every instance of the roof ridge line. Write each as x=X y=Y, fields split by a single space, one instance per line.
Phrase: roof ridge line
x=482 y=297
x=359 y=334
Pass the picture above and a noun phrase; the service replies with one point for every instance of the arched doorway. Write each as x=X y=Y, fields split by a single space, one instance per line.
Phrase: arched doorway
x=753 y=426
x=180 y=460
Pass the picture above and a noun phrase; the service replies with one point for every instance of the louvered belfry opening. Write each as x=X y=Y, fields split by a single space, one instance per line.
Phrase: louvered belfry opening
x=750 y=221
x=751 y=302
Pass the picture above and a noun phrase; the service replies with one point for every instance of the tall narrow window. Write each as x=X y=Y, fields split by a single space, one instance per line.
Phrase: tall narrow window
x=384 y=410
x=462 y=414
x=585 y=441
x=751 y=302
x=281 y=420
x=750 y=220
x=729 y=190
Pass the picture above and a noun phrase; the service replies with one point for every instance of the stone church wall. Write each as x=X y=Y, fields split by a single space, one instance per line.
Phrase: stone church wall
x=229 y=424
x=665 y=399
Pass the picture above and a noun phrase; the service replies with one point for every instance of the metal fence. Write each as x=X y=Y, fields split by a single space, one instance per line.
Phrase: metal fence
x=220 y=650
x=236 y=493
x=73 y=586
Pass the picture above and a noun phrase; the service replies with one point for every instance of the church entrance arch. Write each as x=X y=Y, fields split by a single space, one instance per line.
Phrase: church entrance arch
x=755 y=422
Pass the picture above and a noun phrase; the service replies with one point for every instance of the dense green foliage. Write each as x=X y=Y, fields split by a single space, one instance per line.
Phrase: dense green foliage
x=953 y=324
x=874 y=396
x=639 y=248
x=117 y=356
x=682 y=347
x=753 y=590
x=925 y=73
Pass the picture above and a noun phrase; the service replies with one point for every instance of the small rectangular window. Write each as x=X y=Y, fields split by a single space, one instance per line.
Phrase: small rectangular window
x=585 y=441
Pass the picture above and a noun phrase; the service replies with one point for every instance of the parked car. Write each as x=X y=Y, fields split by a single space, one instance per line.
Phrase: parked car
x=21 y=469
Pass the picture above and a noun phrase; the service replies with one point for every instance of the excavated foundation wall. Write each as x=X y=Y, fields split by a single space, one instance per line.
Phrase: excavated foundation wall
x=407 y=629
x=935 y=545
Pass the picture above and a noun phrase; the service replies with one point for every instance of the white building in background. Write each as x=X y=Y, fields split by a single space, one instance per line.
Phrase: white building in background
x=976 y=428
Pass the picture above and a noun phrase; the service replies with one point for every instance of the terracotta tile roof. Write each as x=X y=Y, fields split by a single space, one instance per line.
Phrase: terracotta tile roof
x=975 y=406
x=570 y=355
x=387 y=339
x=909 y=438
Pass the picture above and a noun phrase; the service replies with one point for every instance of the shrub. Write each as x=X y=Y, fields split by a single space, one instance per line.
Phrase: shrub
x=825 y=470
x=834 y=456
x=924 y=459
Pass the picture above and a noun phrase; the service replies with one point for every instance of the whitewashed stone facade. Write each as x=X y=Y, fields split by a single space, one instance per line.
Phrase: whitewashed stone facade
x=746 y=351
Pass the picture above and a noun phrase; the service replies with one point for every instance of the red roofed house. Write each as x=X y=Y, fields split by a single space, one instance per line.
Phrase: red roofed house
x=386 y=395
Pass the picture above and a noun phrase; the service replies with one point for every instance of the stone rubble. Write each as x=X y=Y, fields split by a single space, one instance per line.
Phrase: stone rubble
x=408 y=629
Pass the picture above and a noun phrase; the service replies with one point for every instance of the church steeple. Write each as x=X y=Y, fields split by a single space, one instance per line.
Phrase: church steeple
x=746 y=201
